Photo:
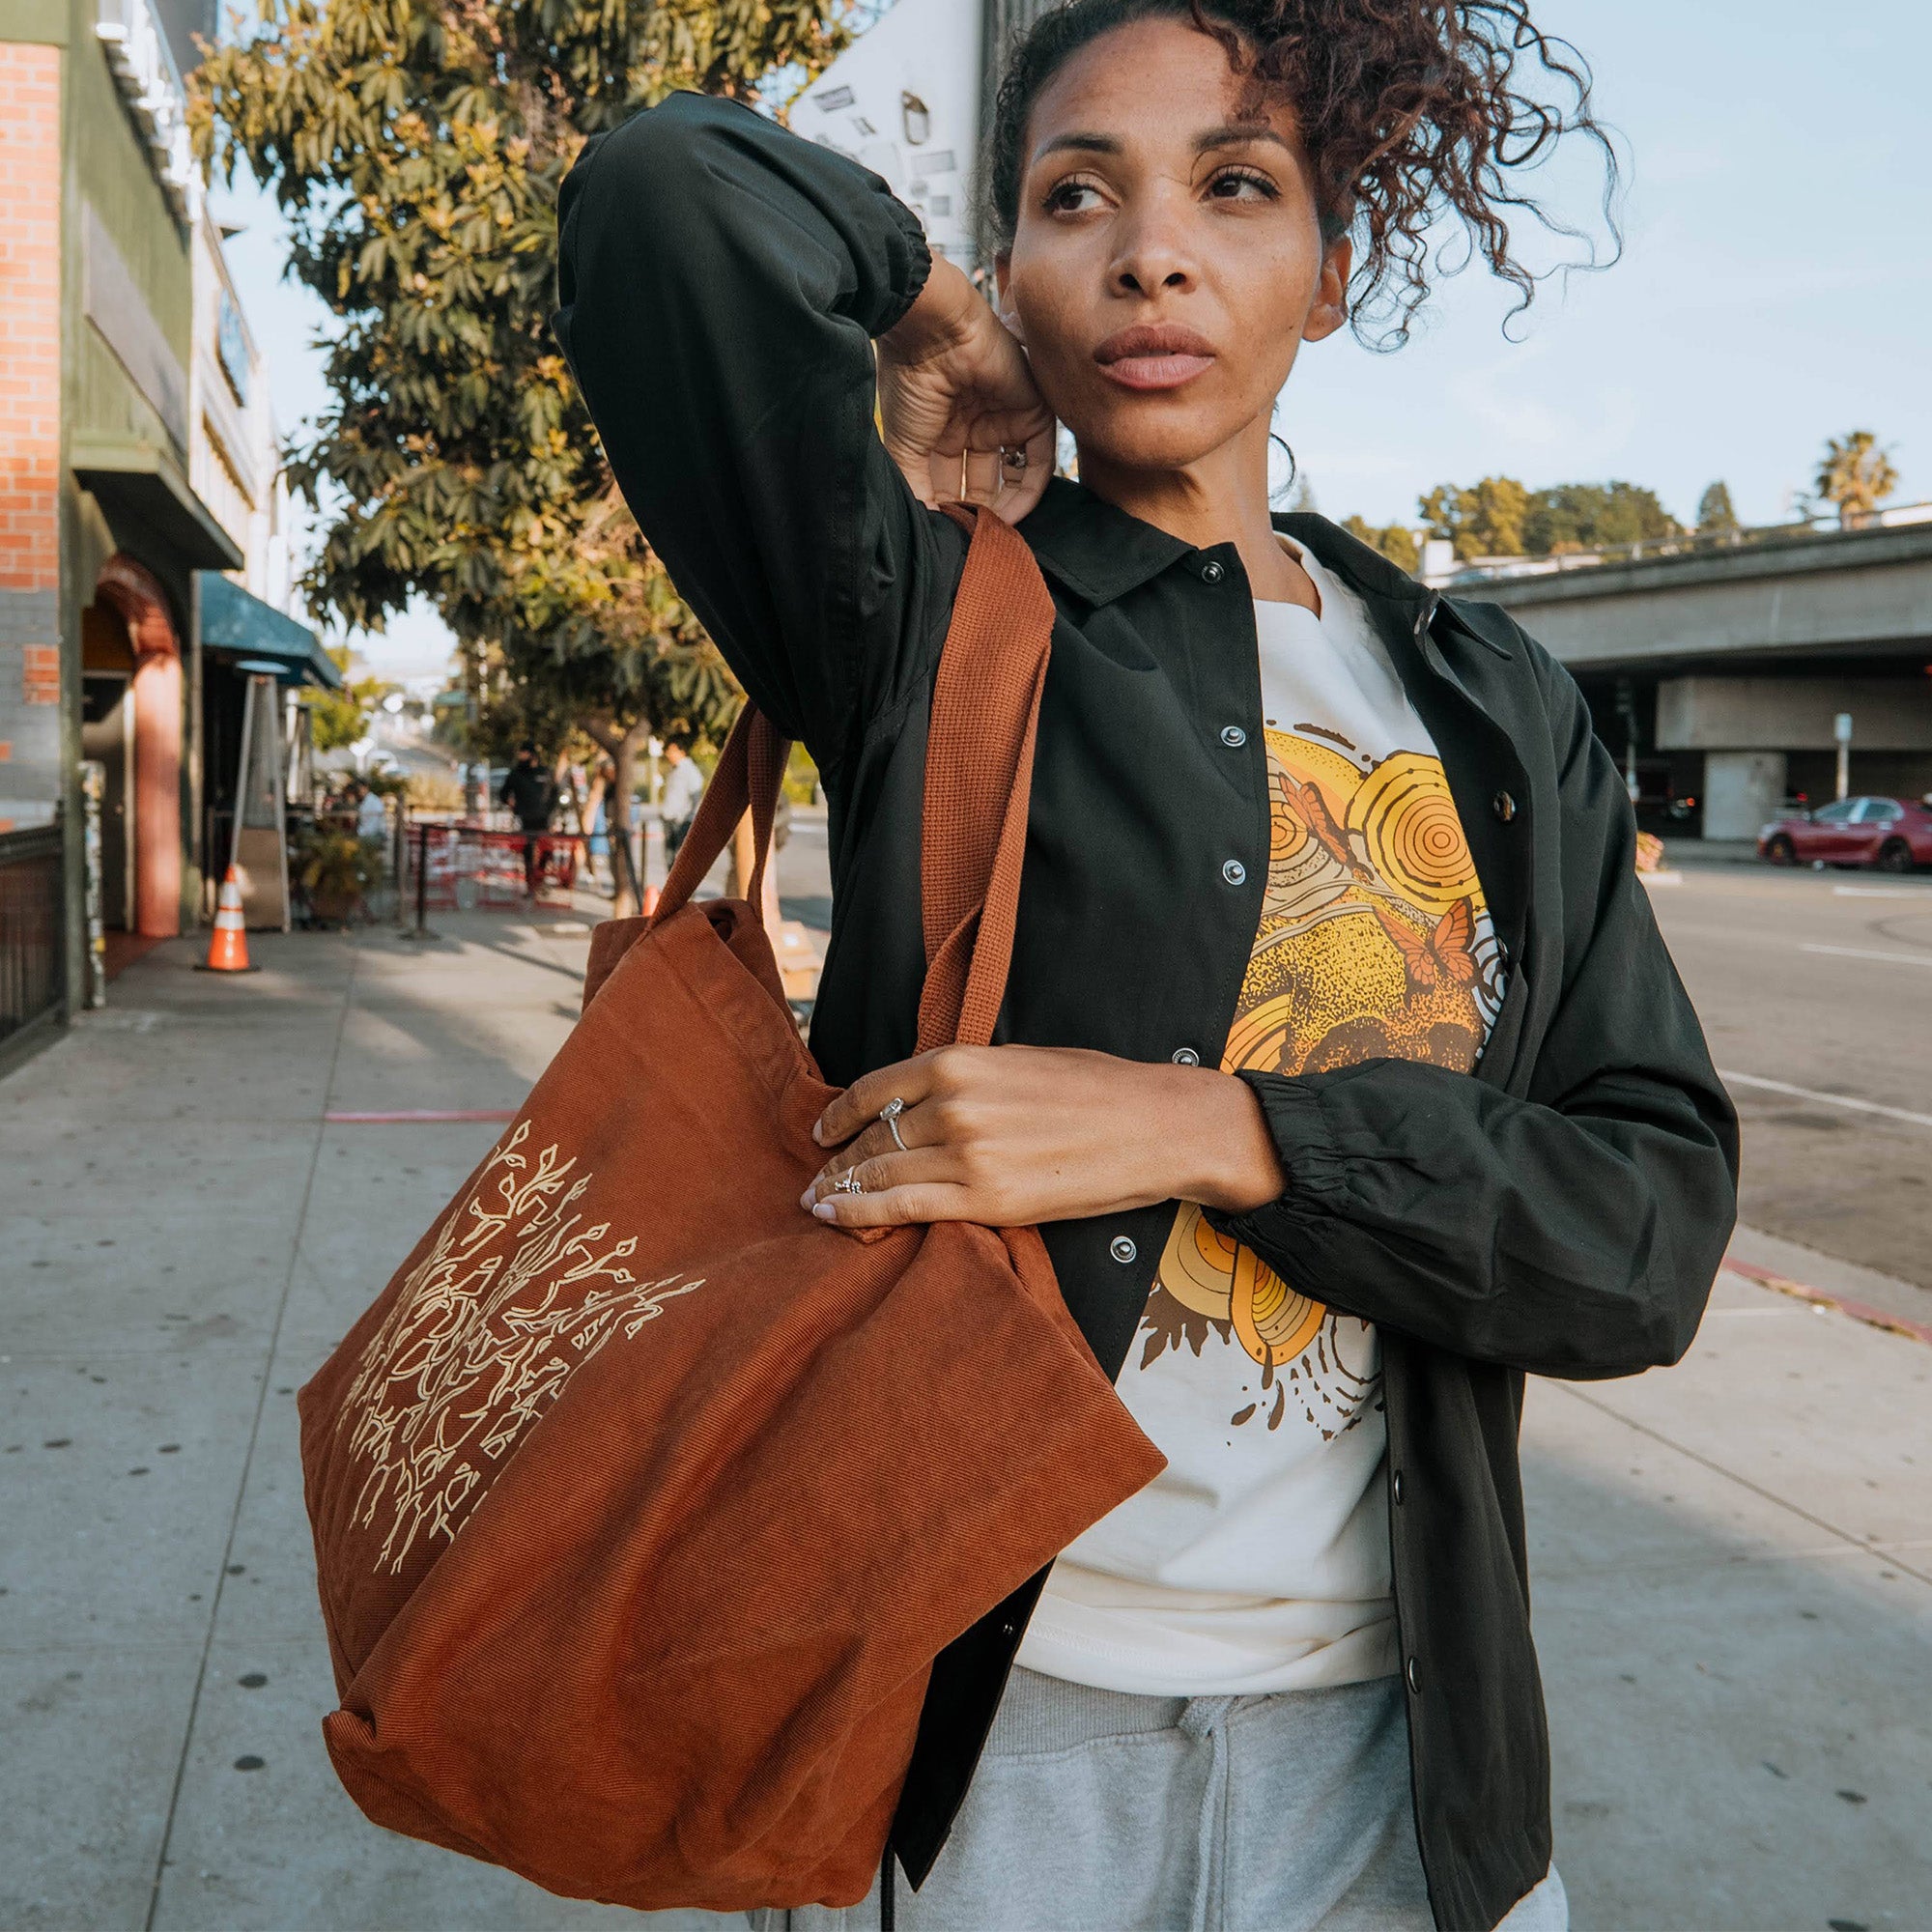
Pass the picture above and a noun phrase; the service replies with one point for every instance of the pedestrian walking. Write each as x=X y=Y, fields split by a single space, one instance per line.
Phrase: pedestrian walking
x=530 y=792
x=1340 y=1063
x=598 y=808
x=683 y=788
x=372 y=813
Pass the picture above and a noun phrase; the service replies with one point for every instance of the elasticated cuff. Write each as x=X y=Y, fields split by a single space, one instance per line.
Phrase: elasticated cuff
x=910 y=274
x=1304 y=1142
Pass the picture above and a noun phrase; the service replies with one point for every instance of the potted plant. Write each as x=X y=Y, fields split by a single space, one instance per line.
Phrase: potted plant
x=335 y=869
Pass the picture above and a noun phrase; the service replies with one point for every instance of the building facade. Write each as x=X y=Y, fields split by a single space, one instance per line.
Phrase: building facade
x=129 y=461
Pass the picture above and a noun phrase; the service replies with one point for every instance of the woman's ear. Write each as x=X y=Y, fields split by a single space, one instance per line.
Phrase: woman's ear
x=1003 y=306
x=1329 y=310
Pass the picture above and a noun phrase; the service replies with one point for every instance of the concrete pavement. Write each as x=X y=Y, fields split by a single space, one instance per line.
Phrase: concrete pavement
x=1733 y=1559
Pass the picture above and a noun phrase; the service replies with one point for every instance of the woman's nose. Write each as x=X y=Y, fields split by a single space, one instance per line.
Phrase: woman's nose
x=1154 y=255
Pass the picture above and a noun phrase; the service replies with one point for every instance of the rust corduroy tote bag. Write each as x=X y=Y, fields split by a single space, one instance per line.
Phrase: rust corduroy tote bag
x=642 y=1502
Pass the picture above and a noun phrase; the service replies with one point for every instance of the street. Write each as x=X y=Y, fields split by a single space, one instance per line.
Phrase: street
x=1732 y=1559
x=1819 y=984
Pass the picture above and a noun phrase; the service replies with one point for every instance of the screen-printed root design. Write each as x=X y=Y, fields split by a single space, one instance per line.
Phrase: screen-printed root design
x=513 y=1297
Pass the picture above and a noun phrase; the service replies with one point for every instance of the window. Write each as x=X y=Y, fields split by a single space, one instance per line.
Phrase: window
x=1840 y=811
x=1879 y=811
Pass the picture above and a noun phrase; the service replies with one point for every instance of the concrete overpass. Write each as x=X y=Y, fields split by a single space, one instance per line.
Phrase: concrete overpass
x=1717 y=670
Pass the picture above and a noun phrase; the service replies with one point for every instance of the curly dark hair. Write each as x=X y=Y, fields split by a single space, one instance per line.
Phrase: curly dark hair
x=1409 y=110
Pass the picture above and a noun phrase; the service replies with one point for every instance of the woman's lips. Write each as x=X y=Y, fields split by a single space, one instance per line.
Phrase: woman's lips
x=1156 y=372
x=1154 y=356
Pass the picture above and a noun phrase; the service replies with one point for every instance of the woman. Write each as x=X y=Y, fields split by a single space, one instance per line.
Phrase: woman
x=1342 y=1064
x=598 y=846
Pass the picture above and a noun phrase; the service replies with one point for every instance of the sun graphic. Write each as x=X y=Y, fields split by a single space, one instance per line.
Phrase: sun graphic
x=1373 y=942
x=1206 y=1271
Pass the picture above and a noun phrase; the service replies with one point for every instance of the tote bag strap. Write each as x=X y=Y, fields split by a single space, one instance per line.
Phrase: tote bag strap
x=750 y=770
x=979 y=780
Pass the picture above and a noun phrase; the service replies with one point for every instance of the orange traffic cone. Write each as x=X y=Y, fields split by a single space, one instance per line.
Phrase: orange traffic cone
x=228 y=950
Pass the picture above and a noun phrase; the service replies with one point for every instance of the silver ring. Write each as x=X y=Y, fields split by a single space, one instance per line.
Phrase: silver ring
x=890 y=1114
x=848 y=1182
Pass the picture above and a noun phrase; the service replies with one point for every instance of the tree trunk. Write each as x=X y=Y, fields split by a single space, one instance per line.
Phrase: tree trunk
x=476 y=785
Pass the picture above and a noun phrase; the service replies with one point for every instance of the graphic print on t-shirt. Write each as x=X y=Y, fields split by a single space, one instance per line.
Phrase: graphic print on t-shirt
x=1373 y=942
x=1258 y=1560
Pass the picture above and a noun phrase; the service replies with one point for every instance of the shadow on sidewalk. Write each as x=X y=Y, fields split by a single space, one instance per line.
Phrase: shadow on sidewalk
x=1739 y=1697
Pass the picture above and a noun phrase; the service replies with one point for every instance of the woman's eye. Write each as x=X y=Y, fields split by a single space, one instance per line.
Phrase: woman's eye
x=1072 y=197
x=1242 y=185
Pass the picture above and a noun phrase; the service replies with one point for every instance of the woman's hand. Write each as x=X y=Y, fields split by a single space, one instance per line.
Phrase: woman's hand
x=957 y=402
x=1010 y=1135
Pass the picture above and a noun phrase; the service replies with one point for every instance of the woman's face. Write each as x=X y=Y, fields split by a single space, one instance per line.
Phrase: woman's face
x=1168 y=257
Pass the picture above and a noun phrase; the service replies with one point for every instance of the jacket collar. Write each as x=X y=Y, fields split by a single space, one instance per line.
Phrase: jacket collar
x=1100 y=554
x=1097 y=551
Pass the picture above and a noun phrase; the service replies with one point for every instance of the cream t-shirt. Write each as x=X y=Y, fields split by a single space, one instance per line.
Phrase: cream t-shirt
x=1259 y=1559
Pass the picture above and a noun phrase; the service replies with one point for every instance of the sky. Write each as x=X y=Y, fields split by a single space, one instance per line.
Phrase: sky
x=1772 y=292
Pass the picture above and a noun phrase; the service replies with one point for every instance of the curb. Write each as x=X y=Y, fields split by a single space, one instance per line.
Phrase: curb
x=1859 y=1310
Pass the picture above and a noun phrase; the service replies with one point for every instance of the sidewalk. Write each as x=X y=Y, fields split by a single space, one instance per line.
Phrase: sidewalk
x=1733 y=1560
x=1703 y=853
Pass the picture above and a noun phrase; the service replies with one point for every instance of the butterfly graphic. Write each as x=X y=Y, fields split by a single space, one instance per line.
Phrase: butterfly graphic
x=1312 y=808
x=1432 y=957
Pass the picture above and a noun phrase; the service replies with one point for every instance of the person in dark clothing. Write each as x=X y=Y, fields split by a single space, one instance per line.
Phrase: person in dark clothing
x=530 y=792
x=1341 y=1065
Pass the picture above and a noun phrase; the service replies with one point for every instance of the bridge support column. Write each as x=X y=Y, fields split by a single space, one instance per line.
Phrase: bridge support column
x=1742 y=791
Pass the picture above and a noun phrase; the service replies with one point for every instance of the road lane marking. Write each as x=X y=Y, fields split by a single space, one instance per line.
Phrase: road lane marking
x=1827 y=1099
x=1867 y=953
x=1881 y=892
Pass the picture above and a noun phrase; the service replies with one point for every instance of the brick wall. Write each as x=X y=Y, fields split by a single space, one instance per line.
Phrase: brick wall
x=30 y=389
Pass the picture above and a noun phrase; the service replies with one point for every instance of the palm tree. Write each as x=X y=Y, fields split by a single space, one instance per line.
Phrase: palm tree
x=1855 y=476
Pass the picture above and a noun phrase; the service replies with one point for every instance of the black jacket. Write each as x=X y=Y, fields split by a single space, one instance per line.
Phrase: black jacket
x=1562 y=1210
x=530 y=791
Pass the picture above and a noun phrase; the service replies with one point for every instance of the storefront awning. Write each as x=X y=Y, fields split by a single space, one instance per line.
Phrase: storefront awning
x=132 y=478
x=235 y=623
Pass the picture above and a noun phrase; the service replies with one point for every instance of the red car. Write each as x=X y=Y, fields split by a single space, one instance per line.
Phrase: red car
x=1891 y=834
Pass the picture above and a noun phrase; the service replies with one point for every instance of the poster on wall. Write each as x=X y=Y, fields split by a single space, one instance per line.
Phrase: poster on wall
x=904 y=100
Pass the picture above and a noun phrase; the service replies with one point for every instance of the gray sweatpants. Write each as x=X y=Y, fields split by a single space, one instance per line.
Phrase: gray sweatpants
x=1096 y=1812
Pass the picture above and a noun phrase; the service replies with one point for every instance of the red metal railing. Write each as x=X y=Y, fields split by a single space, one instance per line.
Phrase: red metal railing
x=461 y=866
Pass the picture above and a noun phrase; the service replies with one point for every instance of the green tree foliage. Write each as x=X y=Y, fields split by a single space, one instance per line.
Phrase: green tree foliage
x=1500 y=517
x=1715 y=514
x=1483 y=520
x=339 y=717
x=1855 y=475
x=1395 y=541
x=416 y=147
x=1594 y=516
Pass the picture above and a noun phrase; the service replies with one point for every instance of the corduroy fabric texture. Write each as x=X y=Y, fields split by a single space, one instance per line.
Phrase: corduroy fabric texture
x=986 y=693
x=643 y=1501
